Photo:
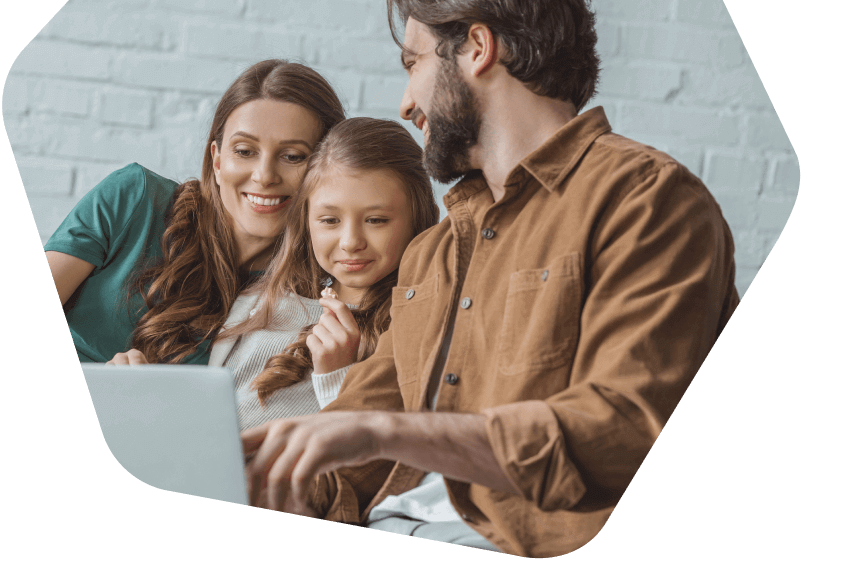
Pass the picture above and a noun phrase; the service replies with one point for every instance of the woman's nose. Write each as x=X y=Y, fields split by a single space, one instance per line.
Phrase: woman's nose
x=266 y=172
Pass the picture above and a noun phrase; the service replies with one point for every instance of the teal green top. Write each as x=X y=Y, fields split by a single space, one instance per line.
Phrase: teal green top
x=116 y=227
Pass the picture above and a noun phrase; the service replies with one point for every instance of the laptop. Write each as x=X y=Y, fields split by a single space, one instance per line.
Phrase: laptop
x=172 y=427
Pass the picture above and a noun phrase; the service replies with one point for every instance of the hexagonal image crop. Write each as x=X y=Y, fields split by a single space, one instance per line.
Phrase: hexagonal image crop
x=442 y=269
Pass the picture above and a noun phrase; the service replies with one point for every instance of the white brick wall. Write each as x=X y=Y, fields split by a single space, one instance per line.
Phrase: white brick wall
x=108 y=82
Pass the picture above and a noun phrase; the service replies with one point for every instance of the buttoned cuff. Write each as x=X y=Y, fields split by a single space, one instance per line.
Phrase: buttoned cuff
x=327 y=385
x=529 y=445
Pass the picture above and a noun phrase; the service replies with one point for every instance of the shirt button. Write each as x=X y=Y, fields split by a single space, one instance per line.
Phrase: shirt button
x=488 y=233
x=451 y=379
x=545 y=275
x=466 y=303
x=410 y=293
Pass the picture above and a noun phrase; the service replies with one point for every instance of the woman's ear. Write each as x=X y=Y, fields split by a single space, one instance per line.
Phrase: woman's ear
x=216 y=162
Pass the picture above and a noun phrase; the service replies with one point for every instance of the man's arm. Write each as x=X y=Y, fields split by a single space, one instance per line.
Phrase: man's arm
x=291 y=453
x=659 y=291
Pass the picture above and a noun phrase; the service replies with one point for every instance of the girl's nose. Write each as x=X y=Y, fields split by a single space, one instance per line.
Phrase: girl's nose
x=352 y=239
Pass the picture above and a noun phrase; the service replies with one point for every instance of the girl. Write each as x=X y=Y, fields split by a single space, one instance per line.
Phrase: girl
x=365 y=196
x=146 y=263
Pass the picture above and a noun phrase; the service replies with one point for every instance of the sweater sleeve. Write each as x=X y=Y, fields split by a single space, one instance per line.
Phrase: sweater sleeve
x=327 y=385
x=342 y=495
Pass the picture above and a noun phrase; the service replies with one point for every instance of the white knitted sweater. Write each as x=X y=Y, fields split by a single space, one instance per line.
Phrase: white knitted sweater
x=246 y=356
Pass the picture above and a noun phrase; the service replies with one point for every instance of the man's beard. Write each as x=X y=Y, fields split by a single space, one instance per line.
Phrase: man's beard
x=453 y=123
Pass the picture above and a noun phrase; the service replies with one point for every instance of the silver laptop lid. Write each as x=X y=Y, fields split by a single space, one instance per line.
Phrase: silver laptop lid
x=173 y=427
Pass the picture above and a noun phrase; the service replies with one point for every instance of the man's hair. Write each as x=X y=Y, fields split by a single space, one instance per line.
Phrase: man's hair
x=550 y=45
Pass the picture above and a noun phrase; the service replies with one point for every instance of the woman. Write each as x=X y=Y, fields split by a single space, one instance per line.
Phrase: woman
x=146 y=263
x=364 y=198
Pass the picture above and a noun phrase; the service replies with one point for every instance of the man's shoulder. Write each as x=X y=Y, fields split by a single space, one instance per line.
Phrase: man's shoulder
x=613 y=149
x=626 y=166
x=421 y=249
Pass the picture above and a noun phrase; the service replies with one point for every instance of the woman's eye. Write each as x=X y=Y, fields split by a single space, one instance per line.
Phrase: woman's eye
x=244 y=153
x=294 y=158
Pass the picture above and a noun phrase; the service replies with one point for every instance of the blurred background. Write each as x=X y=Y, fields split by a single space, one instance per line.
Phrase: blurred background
x=109 y=82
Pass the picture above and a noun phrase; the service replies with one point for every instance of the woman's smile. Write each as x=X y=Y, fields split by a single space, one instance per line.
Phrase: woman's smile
x=267 y=204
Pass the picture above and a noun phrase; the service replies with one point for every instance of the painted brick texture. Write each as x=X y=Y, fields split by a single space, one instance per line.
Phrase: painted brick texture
x=109 y=82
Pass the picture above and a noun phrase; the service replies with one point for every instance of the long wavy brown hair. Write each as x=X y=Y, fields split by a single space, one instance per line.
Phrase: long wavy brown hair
x=190 y=291
x=356 y=144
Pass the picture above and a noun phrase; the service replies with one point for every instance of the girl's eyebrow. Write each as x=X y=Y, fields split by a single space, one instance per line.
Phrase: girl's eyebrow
x=283 y=142
x=328 y=207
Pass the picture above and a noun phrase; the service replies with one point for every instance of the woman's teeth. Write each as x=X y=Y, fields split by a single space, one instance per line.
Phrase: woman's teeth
x=265 y=201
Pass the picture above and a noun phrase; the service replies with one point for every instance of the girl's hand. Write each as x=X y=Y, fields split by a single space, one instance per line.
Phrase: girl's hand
x=132 y=357
x=335 y=339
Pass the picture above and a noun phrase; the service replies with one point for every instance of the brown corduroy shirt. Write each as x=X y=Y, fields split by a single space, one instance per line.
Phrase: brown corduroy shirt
x=583 y=303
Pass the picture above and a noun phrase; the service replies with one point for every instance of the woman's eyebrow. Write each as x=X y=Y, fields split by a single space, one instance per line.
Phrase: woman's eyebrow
x=285 y=141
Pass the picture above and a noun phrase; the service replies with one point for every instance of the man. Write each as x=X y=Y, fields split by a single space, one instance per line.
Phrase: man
x=543 y=333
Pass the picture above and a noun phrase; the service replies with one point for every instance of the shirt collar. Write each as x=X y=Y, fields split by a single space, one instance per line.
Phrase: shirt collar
x=550 y=163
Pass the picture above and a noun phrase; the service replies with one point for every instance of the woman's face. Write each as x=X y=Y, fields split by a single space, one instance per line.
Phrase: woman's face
x=260 y=165
x=360 y=224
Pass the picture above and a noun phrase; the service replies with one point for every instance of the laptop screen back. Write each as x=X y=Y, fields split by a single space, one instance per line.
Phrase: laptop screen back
x=173 y=427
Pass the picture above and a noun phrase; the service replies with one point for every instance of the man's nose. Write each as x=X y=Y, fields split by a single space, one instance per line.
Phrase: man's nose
x=408 y=105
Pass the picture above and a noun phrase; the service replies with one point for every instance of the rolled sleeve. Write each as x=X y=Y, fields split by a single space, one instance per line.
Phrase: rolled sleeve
x=529 y=446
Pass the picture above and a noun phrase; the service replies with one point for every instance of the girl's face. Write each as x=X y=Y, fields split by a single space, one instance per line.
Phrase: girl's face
x=260 y=165
x=360 y=224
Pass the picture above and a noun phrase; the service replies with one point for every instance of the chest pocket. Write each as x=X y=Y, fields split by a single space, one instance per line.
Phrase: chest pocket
x=413 y=312
x=541 y=321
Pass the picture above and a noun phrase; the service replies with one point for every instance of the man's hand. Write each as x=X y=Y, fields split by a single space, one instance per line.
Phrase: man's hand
x=290 y=453
x=132 y=357
x=335 y=339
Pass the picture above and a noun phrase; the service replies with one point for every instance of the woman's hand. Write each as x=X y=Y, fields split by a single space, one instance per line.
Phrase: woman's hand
x=335 y=339
x=132 y=357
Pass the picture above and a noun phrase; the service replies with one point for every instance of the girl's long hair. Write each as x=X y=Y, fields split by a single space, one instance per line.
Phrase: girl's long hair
x=356 y=144
x=190 y=291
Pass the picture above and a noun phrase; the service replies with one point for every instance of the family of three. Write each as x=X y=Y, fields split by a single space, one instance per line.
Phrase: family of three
x=492 y=380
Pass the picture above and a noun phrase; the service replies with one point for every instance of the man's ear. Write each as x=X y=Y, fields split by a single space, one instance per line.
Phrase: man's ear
x=484 y=51
x=216 y=161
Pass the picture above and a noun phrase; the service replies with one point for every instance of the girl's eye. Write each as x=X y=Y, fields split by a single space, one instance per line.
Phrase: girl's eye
x=377 y=220
x=329 y=220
